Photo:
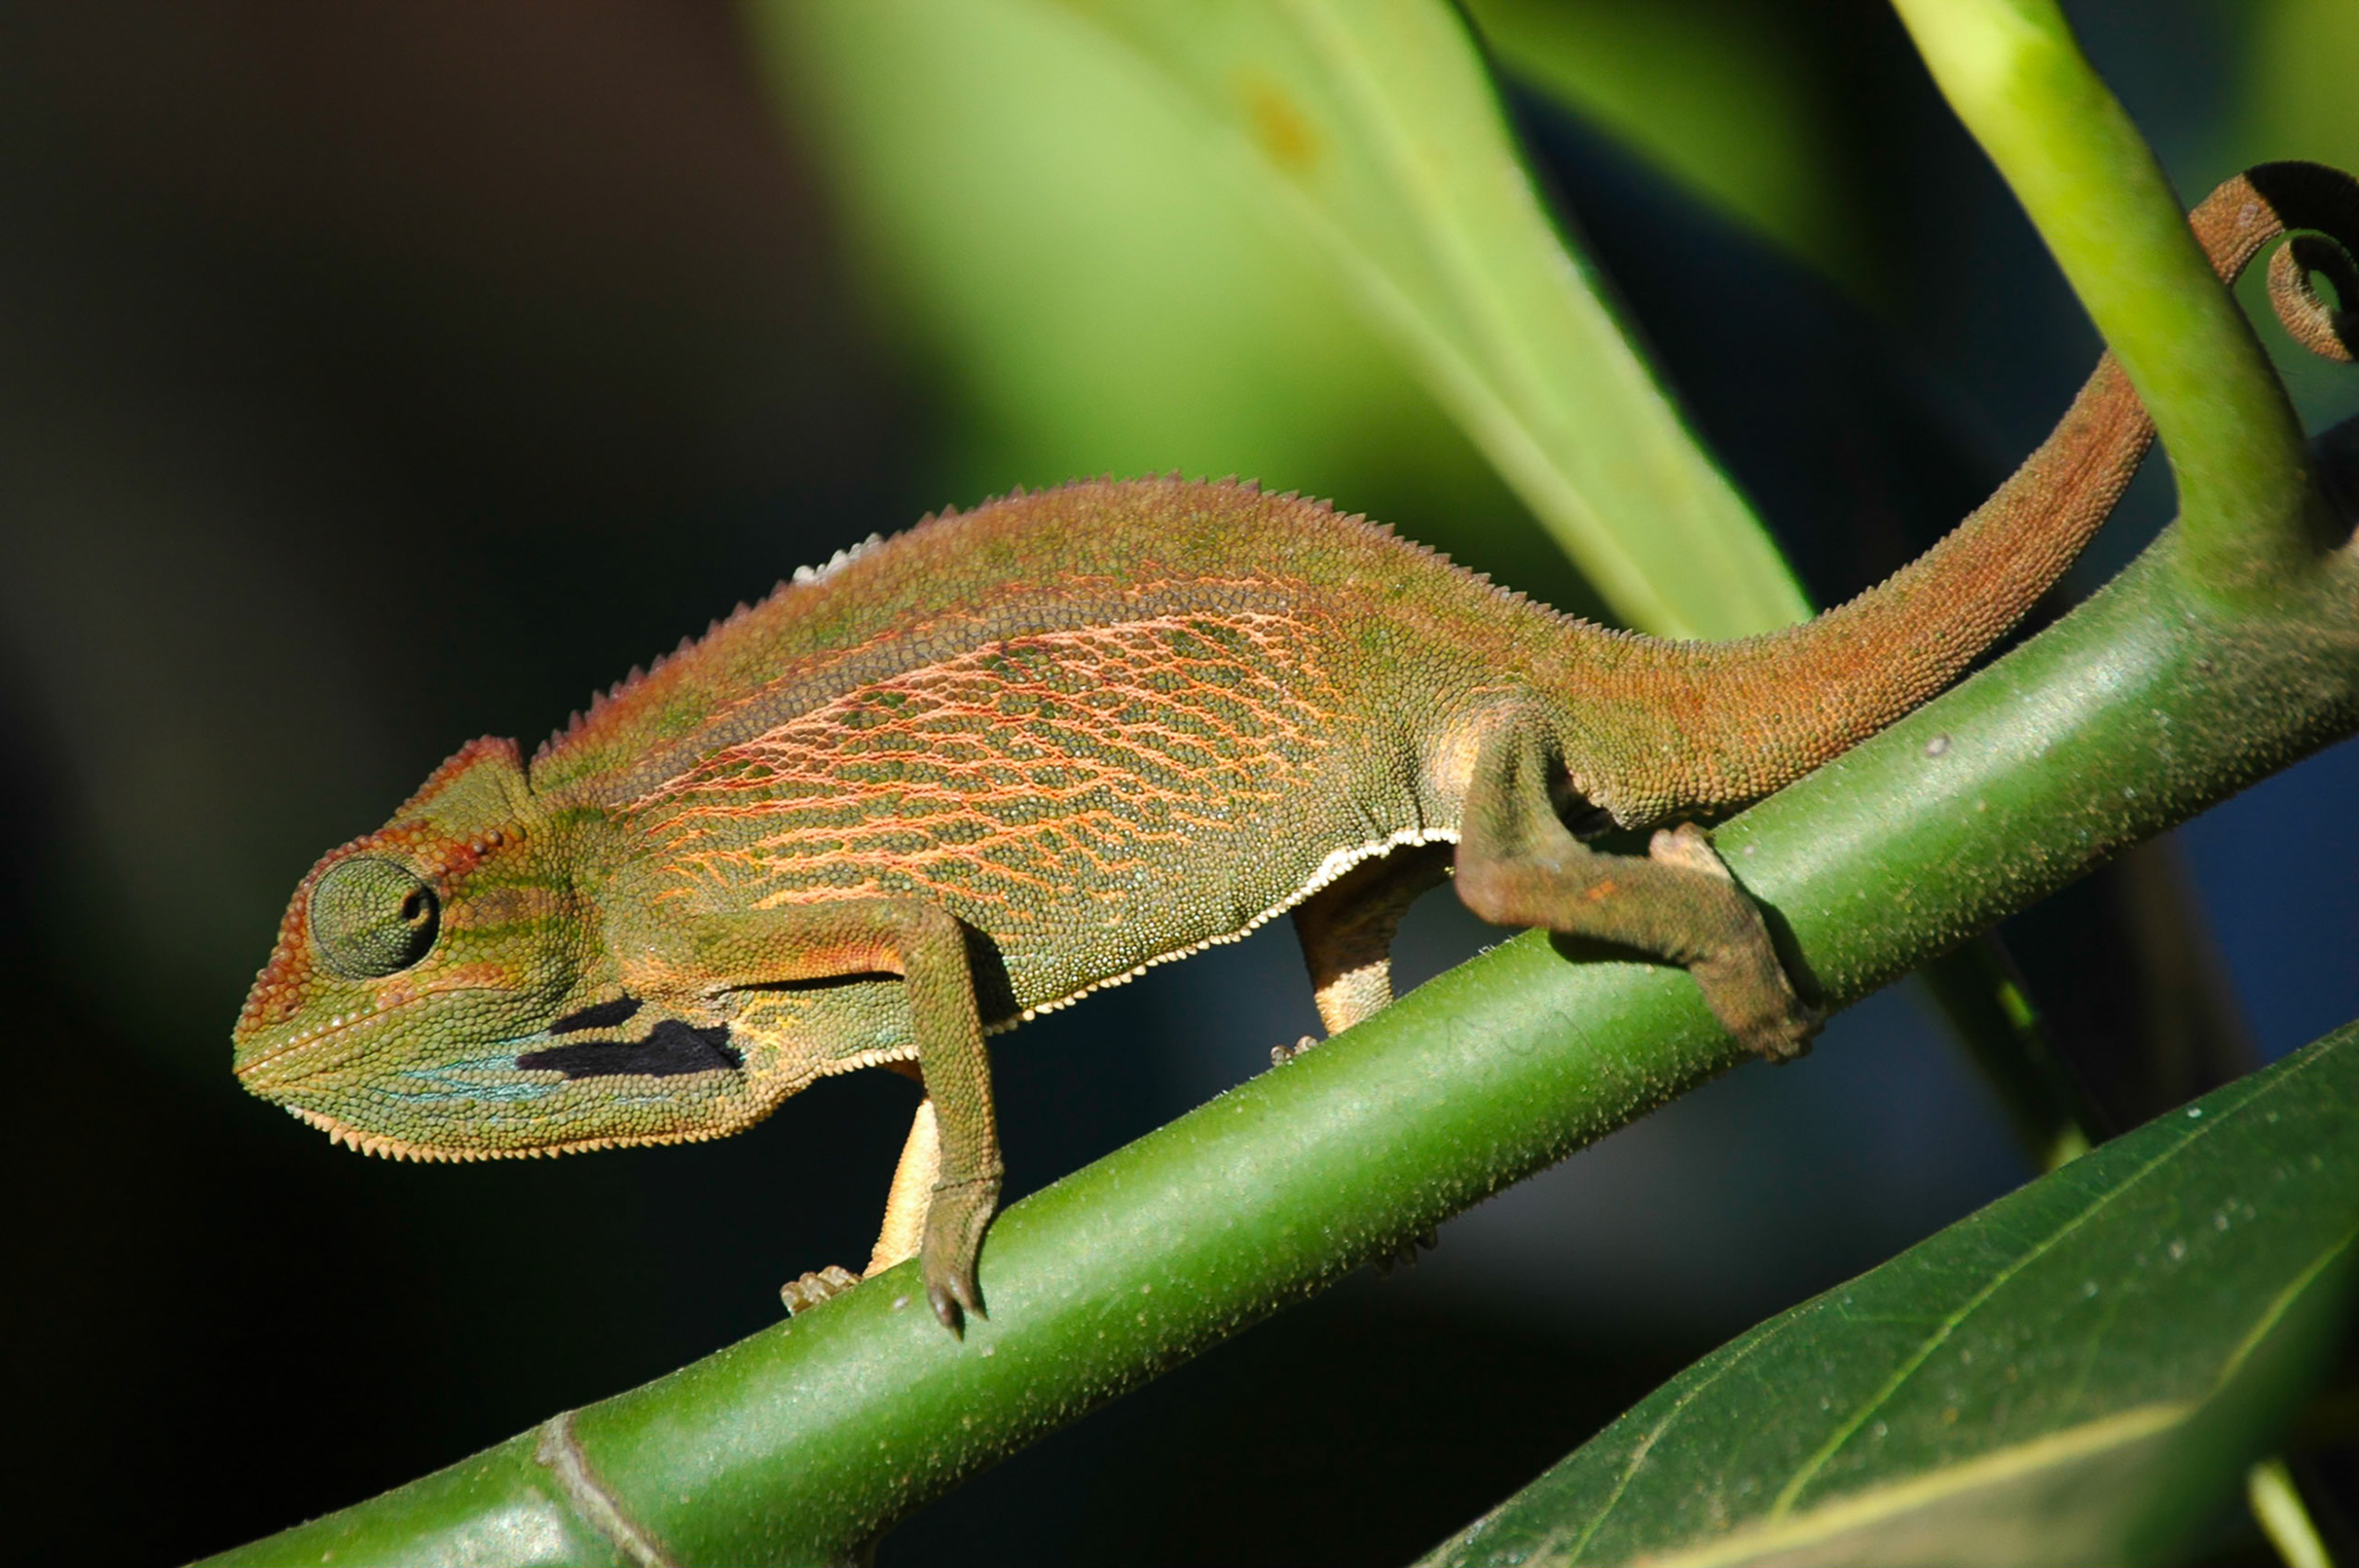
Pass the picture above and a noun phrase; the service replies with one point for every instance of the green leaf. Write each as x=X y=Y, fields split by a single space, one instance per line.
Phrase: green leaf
x=1377 y=147
x=1027 y=205
x=2080 y=1373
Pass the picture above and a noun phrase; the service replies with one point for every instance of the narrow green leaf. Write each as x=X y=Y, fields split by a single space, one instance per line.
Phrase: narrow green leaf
x=2278 y=1509
x=2079 y=1373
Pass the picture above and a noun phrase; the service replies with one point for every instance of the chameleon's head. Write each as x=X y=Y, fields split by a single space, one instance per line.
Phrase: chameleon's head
x=408 y=961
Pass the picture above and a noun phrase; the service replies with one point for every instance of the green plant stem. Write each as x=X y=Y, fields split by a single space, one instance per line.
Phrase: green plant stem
x=1984 y=996
x=2152 y=701
x=2277 y=1508
x=2014 y=73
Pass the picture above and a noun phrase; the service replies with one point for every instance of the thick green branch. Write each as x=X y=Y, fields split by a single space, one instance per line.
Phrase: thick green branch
x=2017 y=78
x=2147 y=705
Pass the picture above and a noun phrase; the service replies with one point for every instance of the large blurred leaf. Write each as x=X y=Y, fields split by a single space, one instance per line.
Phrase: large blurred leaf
x=1375 y=123
x=2078 y=1374
x=1037 y=218
x=1374 y=133
x=2299 y=83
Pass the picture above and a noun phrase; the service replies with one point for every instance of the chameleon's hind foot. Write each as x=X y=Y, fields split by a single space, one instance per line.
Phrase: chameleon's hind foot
x=1776 y=1027
x=819 y=1285
x=1690 y=846
x=1518 y=865
x=955 y=1222
x=1742 y=981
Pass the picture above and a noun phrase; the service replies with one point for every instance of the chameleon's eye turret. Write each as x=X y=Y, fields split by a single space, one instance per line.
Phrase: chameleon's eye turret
x=372 y=917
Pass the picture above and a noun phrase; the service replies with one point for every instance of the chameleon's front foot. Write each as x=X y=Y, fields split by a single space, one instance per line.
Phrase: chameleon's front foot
x=955 y=1222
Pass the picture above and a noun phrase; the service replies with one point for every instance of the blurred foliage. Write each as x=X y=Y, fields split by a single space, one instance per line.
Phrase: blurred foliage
x=1726 y=97
x=1103 y=300
x=2297 y=91
x=1375 y=135
x=2298 y=97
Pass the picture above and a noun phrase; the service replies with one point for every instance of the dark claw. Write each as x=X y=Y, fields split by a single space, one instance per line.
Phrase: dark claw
x=952 y=1299
x=955 y=1226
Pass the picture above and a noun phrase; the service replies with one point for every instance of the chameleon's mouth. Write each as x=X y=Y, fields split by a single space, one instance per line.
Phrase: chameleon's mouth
x=256 y=1071
x=324 y=1067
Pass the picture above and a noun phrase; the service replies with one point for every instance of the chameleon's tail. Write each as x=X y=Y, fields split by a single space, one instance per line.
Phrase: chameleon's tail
x=1763 y=711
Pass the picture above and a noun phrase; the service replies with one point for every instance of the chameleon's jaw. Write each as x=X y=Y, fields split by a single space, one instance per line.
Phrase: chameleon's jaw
x=371 y=1143
x=269 y=1069
x=390 y=1148
x=426 y=1091
x=478 y=1111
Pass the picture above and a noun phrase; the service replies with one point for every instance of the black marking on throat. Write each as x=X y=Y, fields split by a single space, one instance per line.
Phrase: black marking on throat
x=604 y=1016
x=672 y=1049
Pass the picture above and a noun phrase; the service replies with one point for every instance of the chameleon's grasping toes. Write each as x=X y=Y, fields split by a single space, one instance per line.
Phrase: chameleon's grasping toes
x=1015 y=754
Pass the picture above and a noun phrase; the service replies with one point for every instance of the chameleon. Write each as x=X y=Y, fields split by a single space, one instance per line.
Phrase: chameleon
x=973 y=773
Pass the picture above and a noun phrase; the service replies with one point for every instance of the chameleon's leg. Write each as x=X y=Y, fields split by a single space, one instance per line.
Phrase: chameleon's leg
x=912 y=1195
x=926 y=945
x=1347 y=927
x=1518 y=865
x=904 y=1227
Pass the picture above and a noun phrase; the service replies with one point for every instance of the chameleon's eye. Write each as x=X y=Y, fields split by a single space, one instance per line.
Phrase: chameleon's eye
x=372 y=918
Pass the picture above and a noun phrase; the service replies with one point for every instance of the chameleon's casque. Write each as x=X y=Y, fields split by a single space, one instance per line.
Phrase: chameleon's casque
x=980 y=769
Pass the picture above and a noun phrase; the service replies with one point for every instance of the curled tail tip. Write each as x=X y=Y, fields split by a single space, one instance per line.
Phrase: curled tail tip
x=2270 y=201
x=2328 y=330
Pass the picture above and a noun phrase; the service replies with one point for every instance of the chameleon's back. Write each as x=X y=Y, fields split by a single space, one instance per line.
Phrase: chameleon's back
x=1087 y=553
x=1104 y=724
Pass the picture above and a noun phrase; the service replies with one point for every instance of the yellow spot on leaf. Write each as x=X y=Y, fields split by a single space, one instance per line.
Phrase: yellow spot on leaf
x=1278 y=128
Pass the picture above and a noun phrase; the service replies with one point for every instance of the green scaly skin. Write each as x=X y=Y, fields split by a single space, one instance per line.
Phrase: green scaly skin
x=983 y=768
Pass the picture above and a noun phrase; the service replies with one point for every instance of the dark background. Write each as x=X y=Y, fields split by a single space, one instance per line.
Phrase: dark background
x=375 y=376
